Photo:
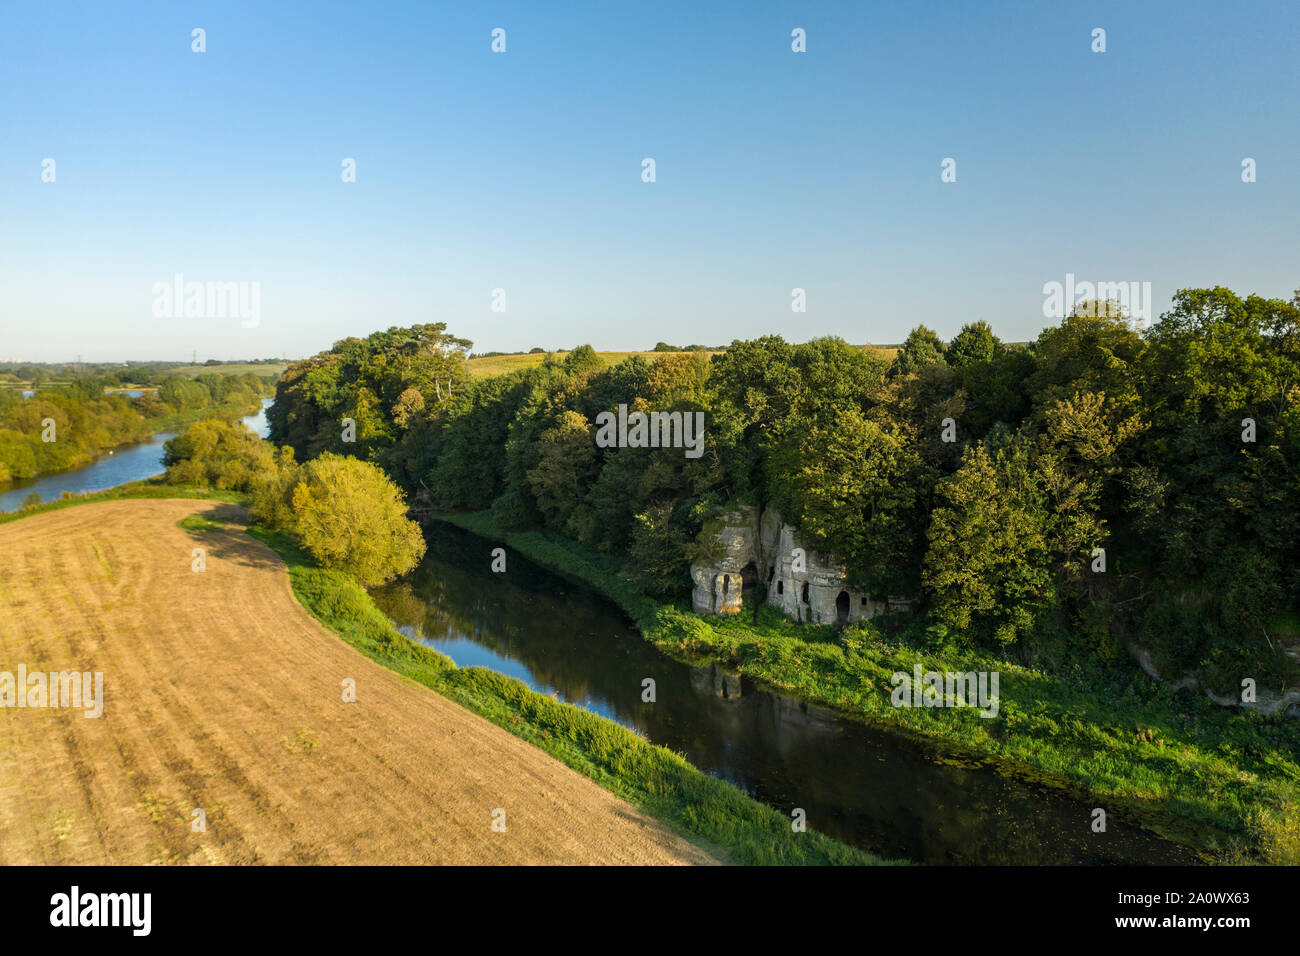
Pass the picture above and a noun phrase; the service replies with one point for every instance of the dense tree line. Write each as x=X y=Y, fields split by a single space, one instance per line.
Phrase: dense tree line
x=67 y=426
x=32 y=374
x=1100 y=486
x=346 y=512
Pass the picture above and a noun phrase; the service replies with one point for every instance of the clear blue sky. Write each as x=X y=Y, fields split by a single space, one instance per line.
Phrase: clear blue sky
x=523 y=170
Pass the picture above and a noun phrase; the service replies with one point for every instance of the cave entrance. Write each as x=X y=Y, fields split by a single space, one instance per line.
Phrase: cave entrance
x=842 y=607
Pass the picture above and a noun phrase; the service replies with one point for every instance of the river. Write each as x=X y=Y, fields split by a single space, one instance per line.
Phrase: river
x=861 y=785
x=117 y=467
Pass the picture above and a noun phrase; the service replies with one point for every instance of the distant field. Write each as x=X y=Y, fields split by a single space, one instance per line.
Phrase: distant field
x=276 y=369
x=501 y=364
x=476 y=367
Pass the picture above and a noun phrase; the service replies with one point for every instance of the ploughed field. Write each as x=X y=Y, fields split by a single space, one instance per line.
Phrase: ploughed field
x=222 y=693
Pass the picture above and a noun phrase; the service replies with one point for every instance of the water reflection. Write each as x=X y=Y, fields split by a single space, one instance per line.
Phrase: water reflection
x=858 y=784
x=121 y=465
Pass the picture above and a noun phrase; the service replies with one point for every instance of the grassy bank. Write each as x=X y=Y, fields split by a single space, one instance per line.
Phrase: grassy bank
x=1224 y=782
x=702 y=808
x=708 y=811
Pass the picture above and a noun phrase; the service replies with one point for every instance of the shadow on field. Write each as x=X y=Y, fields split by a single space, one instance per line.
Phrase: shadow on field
x=220 y=528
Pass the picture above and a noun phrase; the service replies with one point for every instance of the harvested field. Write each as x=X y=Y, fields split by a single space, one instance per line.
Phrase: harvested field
x=223 y=693
x=503 y=364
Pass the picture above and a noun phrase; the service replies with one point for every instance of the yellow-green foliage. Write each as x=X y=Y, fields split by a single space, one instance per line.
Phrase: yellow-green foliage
x=272 y=504
x=1278 y=832
x=231 y=368
x=225 y=455
x=77 y=428
x=345 y=511
x=352 y=518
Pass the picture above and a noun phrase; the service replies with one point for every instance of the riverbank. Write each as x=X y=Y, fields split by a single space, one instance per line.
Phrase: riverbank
x=705 y=810
x=229 y=734
x=121 y=465
x=652 y=778
x=147 y=429
x=1224 y=783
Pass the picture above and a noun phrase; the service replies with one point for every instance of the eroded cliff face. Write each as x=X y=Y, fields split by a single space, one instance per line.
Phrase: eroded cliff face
x=810 y=586
x=719 y=582
x=806 y=585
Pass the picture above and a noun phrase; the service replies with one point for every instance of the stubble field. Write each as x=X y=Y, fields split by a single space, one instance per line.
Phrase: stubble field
x=223 y=694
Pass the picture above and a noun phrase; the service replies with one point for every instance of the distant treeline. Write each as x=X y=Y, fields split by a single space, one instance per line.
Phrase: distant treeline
x=1098 y=487
x=112 y=374
x=66 y=426
x=532 y=351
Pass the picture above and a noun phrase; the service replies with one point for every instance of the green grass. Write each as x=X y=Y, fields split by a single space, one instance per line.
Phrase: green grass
x=200 y=524
x=708 y=811
x=1224 y=782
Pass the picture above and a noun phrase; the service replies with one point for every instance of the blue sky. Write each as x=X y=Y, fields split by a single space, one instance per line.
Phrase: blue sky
x=522 y=170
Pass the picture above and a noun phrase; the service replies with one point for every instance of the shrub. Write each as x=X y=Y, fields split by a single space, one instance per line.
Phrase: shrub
x=352 y=518
x=224 y=455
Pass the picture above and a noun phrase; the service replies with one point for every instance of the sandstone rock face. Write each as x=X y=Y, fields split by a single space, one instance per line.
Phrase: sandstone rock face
x=718 y=584
x=805 y=584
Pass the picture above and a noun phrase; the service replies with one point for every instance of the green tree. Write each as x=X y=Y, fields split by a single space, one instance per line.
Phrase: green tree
x=852 y=487
x=351 y=516
x=988 y=564
x=1087 y=352
x=659 y=552
x=566 y=456
x=974 y=344
x=219 y=454
x=921 y=348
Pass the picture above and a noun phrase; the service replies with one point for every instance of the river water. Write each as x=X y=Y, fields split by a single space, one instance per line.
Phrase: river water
x=861 y=785
x=127 y=463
